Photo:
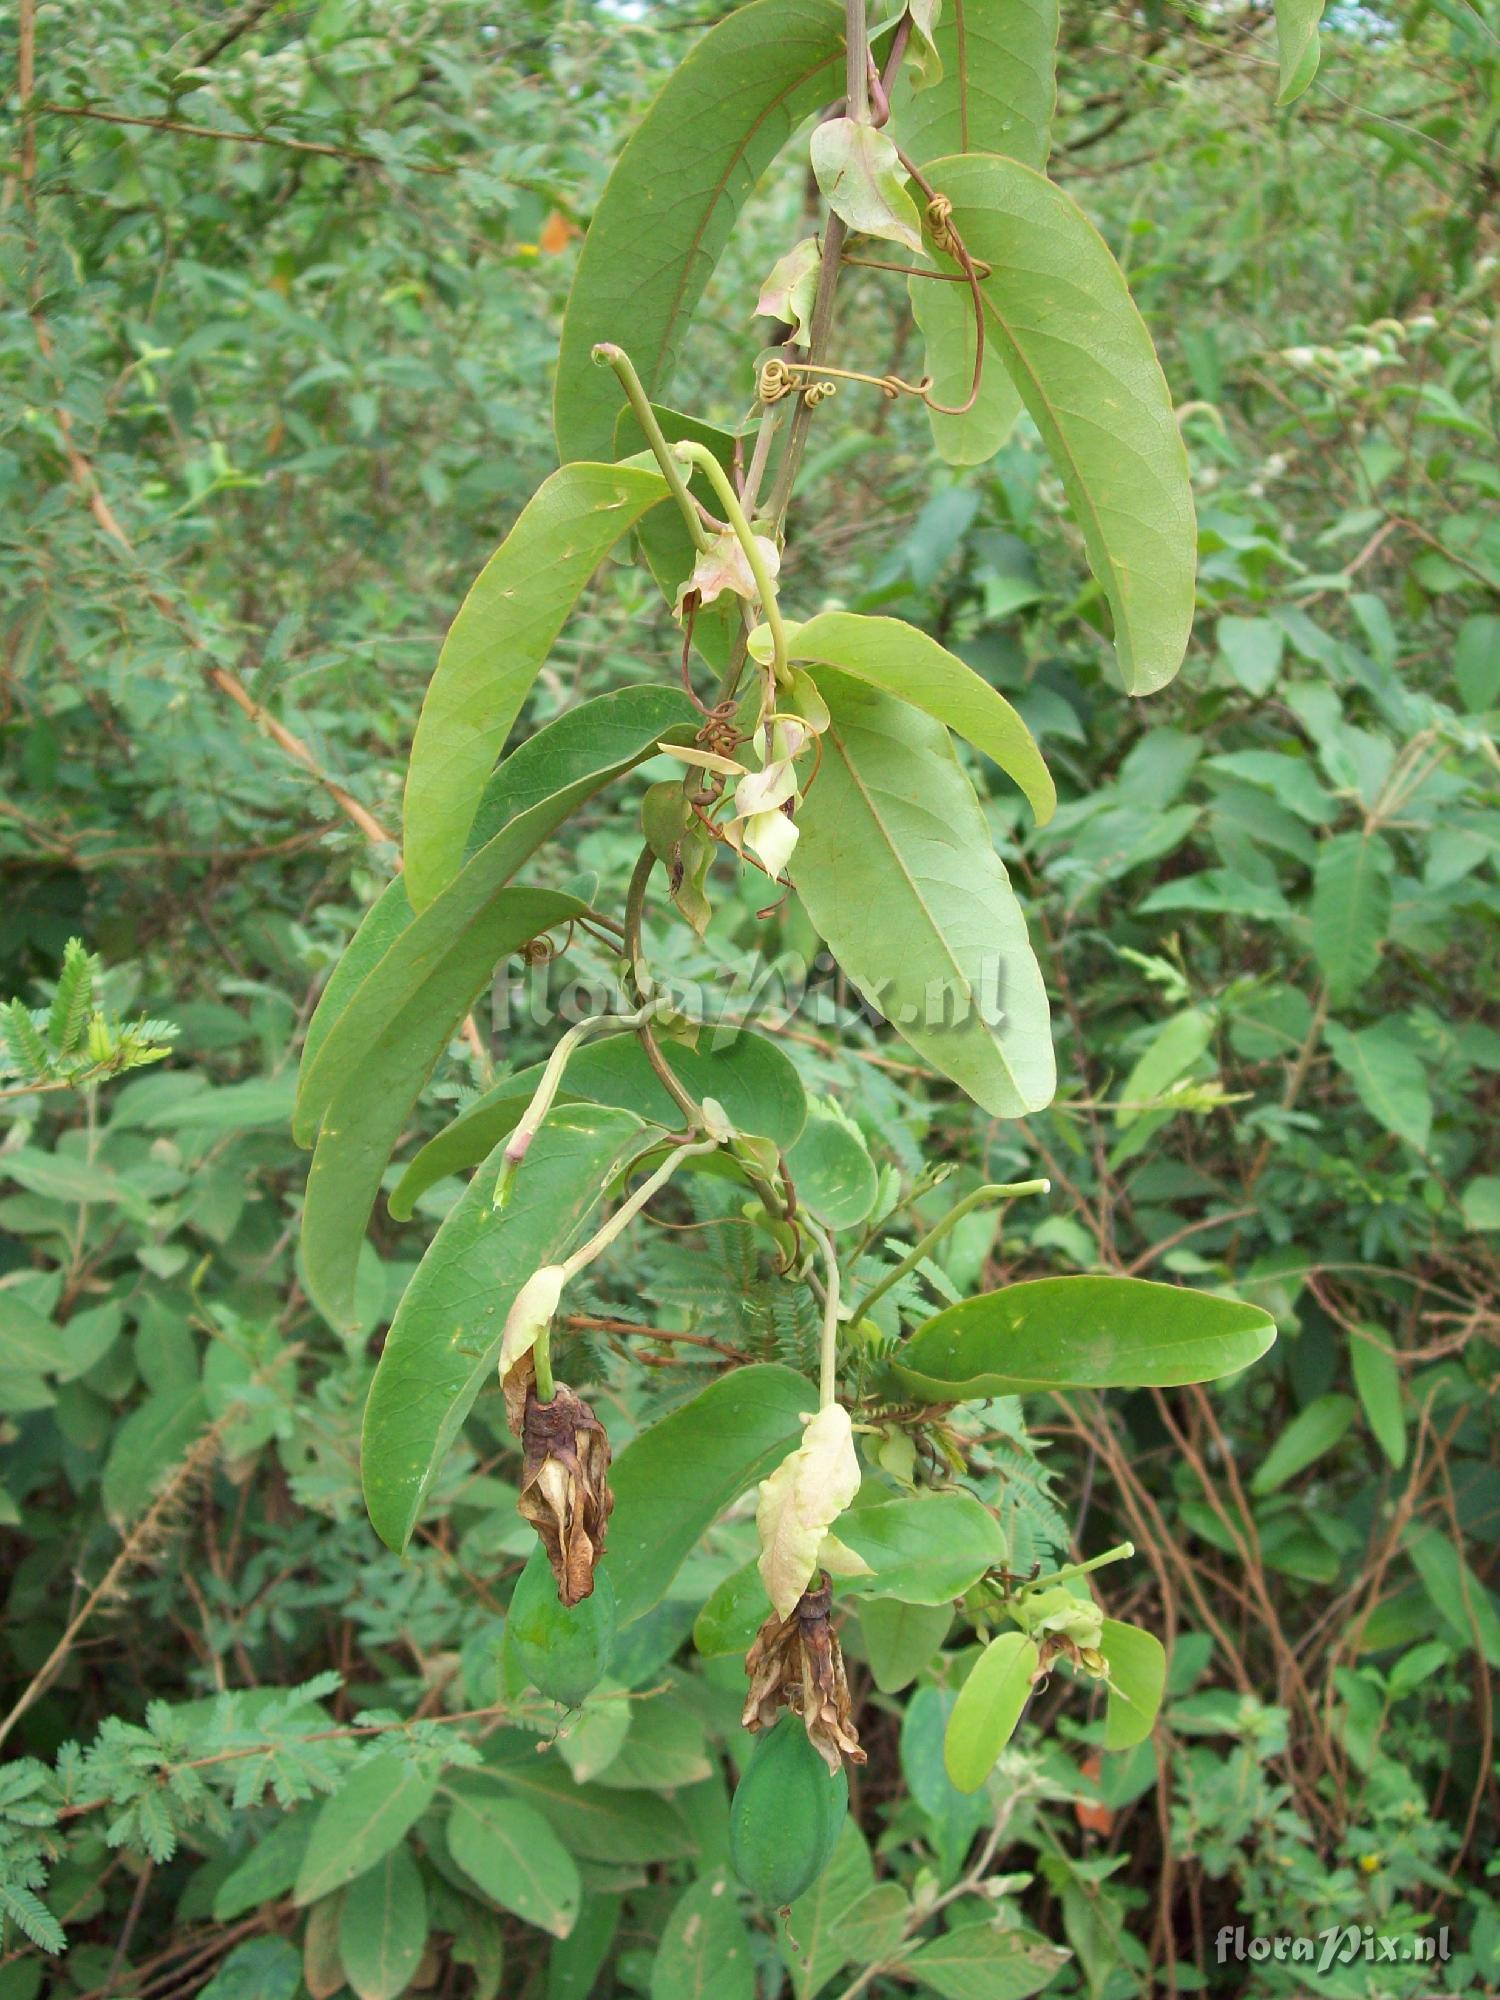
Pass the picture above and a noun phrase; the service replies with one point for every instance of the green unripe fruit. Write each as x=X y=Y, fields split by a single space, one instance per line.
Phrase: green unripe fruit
x=788 y=1812
x=563 y=1652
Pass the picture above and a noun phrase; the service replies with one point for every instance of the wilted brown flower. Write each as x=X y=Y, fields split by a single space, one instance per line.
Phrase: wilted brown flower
x=565 y=1487
x=796 y=1663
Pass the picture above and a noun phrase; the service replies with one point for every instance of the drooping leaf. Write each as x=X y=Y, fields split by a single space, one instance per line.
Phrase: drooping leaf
x=704 y=1952
x=675 y=193
x=1296 y=46
x=887 y=653
x=676 y=1478
x=945 y=314
x=928 y=1549
x=383 y=1927
x=757 y=1085
x=988 y=1708
x=1312 y=1432
x=861 y=178
x=897 y=870
x=384 y=921
x=1377 y=1381
x=1384 y=1064
x=1137 y=1678
x=1060 y=317
x=998 y=87
x=371 y=1812
x=445 y=1339
x=900 y=1639
x=611 y=733
x=384 y=1047
x=495 y=648
x=510 y=1851
x=1095 y=1333
x=1351 y=910
x=267 y=1871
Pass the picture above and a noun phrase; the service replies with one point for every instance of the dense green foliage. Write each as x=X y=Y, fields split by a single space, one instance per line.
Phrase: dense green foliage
x=269 y=405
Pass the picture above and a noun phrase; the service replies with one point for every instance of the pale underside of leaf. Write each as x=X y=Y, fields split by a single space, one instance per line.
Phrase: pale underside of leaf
x=675 y=194
x=897 y=869
x=1061 y=318
x=998 y=88
x=497 y=645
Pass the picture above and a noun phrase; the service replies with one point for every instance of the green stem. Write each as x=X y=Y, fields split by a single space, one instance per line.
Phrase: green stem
x=541 y=1361
x=993 y=1191
x=828 y=1353
x=700 y=456
x=661 y=451
x=630 y=1208
x=1121 y=1552
x=517 y=1144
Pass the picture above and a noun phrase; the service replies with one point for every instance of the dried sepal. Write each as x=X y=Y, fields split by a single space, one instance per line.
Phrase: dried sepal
x=565 y=1492
x=796 y=1662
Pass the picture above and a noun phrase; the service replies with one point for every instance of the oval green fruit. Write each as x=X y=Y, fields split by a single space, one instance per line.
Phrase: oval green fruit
x=563 y=1652
x=787 y=1815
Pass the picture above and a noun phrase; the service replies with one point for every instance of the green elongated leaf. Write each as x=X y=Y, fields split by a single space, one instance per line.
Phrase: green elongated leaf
x=1377 y=1381
x=954 y=1814
x=1463 y=1603
x=757 y=1085
x=359 y=1824
x=986 y=1961
x=592 y=1822
x=926 y=1550
x=150 y=1443
x=704 y=1952
x=1173 y=1049
x=1253 y=649
x=663 y=536
x=263 y=1968
x=384 y=921
x=674 y=1480
x=1384 y=1065
x=1296 y=46
x=675 y=193
x=268 y=1870
x=413 y=1001
x=1061 y=318
x=1351 y=910
x=988 y=1708
x=811 y=1946
x=732 y=1613
x=860 y=176
x=383 y=1927
x=1082 y=1333
x=1313 y=1431
x=900 y=1639
x=495 y=648
x=575 y=1962
x=897 y=871
x=29 y=1342
x=1137 y=1678
x=945 y=315
x=998 y=88
x=444 y=1342
x=517 y=1860
x=895 y=656
x=610 y=734
x=831 y=1167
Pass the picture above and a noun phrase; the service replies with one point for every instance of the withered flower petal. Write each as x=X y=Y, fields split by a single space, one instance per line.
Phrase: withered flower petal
x=797 y=1663
x=565 y=1487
